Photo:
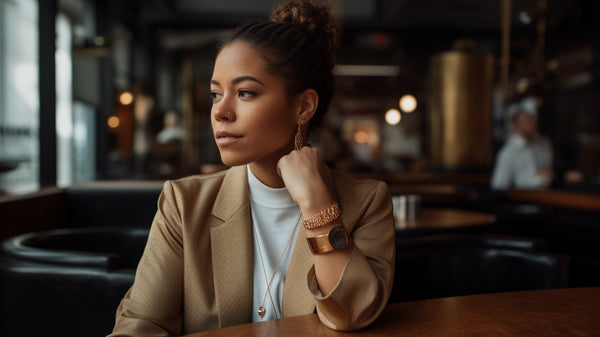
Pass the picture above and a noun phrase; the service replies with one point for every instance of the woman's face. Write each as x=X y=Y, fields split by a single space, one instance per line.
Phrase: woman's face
x=252 y=119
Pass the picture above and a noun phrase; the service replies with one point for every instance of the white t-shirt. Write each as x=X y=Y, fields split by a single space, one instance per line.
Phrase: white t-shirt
x=274 y=213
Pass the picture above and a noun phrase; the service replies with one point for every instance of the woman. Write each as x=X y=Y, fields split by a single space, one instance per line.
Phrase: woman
x=227 y=248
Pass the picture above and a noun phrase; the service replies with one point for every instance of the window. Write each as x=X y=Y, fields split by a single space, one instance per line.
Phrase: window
x=19 y=96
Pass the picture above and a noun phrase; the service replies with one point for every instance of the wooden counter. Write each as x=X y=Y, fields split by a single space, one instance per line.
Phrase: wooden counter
x=566 y=199
x=444 y=218
x=555 y=312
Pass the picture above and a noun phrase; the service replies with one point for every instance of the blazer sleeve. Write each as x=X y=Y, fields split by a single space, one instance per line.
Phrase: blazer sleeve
x=153 y=305
x=366 y=282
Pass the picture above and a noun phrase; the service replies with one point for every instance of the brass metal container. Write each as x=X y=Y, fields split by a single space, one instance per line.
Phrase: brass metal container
x=460 y=115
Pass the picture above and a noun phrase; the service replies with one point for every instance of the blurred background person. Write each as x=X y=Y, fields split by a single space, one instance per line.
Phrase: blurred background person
x=526 y=159
x=169 y=145
x=172 y=131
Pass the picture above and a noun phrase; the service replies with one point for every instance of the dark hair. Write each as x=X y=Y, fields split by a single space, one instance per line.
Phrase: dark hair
x=298 y=44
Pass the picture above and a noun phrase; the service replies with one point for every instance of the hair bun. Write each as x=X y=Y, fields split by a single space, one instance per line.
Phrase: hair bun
x=312 y=16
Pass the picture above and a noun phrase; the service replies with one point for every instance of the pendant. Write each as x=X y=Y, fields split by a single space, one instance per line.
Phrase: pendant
x=261 y=311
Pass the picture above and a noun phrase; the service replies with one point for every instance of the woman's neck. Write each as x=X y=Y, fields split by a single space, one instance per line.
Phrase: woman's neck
x=265 y=168
x=267 y=174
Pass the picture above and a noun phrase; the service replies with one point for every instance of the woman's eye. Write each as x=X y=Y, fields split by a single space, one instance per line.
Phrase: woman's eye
x=246 y=93
x=215 y=95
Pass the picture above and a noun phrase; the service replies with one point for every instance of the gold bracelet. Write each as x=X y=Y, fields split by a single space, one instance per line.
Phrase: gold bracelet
x=322 y=218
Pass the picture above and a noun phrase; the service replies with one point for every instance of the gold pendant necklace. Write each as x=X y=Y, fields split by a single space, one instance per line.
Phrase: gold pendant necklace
x=262 y=310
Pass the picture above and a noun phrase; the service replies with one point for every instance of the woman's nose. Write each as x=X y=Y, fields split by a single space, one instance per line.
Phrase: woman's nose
x=224 y=115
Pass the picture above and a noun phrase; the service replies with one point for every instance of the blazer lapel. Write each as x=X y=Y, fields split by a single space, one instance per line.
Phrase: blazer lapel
x=231 y=247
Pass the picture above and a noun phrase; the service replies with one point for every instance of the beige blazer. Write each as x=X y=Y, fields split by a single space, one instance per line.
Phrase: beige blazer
x=196 y=270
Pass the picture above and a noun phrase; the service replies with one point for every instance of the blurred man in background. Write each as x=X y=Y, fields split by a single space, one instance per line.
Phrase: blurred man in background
x=525 y=160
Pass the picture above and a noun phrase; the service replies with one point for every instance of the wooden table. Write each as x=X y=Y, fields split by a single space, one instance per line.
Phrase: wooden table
x=566 y=199
x=444 y=218
x=557 y=312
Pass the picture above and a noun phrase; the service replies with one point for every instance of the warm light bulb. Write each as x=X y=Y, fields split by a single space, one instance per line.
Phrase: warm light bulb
x=113 y=122
x=126 y=98
x=408 y=103
x=361 y=137
x=393 y=116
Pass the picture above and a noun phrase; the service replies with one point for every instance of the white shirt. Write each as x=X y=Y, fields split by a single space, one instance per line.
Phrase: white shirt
x=274 y=213
x=519 y=161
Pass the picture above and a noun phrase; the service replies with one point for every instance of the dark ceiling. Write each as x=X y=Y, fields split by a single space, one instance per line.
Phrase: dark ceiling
x=400 y=32
x=479 y=17
x=413 y=26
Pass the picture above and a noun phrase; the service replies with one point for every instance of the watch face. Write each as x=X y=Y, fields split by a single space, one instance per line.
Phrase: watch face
x=337 y=237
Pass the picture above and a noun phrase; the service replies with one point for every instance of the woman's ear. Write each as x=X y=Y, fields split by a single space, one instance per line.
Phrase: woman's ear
x=308 y=102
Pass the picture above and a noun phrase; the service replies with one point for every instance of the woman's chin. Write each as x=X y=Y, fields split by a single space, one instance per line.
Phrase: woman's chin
x=233 y=160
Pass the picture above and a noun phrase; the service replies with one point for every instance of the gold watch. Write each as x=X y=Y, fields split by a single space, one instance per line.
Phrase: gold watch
x=336 y=239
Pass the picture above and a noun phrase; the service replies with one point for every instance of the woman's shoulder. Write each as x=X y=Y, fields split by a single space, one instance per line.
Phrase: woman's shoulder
x=361 y=198
x=197 y=184
x=348 y=184
x=201 y=178
x=347 y=177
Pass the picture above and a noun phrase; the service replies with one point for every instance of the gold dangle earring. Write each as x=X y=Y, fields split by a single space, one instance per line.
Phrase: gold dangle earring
x=298 y=140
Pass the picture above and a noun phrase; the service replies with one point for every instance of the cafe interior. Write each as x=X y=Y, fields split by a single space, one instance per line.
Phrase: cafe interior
x=101 y=102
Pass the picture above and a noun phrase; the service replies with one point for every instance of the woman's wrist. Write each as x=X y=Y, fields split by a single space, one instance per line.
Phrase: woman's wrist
x=315 y=199
x=323 y=217
x=314 y=207
x=313 y=232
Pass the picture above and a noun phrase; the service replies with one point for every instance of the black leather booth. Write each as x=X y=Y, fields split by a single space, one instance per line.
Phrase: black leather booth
x=456 y=265
x=69 y=281
x=111 y=204
x=66 y=282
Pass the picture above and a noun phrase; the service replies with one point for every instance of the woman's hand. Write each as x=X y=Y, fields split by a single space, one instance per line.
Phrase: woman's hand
x=302 y=173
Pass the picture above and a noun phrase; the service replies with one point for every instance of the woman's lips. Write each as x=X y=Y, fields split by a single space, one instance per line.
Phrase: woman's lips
x=226 y=138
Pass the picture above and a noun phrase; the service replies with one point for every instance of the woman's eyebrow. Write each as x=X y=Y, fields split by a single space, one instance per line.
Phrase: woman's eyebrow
x=246 y=78
x=239 y=80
